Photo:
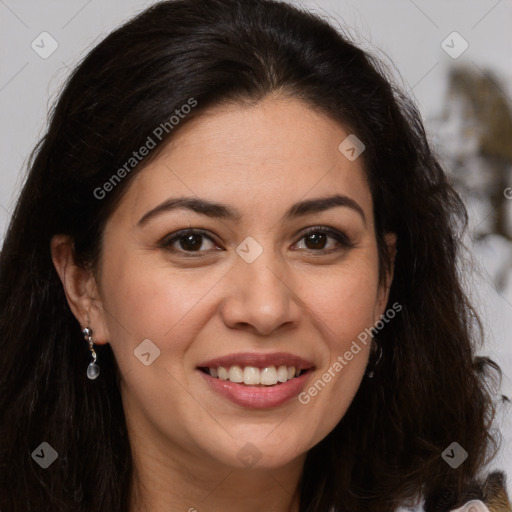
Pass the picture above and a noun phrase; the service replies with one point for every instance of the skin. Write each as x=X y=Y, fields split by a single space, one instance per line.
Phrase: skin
x=185 y=438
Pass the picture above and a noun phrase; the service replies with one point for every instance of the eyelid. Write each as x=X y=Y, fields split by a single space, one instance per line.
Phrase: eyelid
x=338 y=235
x=168 y=240
x=186 y=231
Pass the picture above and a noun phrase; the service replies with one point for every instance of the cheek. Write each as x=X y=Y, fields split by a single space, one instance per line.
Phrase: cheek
x=343 y=307
x=145 y=299
x=343 y=301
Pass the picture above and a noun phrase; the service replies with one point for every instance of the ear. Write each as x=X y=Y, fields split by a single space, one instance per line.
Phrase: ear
x=80 y=287
x=390 y=239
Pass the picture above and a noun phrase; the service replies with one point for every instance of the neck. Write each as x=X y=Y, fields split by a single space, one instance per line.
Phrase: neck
x=160 y=485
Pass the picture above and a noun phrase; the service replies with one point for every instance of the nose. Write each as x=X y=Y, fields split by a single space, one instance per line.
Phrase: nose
x=259 y=296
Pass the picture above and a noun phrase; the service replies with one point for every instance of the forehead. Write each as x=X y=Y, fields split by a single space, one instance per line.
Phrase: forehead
x=277 y=151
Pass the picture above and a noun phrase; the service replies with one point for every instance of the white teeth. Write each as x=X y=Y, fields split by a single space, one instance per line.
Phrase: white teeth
x=253 y=376
x=269 y=376
x=236 y=374
x=282 y=374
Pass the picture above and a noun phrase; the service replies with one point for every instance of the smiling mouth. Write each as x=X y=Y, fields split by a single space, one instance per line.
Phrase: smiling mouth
x=254 y=376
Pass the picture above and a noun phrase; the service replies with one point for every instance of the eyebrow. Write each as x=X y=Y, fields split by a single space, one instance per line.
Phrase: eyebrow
x=225 y=212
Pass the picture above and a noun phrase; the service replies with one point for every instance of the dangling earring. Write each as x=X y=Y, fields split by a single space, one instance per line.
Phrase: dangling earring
x=371 y=373
x=93 y=370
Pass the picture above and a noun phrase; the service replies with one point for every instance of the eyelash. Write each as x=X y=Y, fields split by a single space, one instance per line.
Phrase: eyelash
x=341 y=238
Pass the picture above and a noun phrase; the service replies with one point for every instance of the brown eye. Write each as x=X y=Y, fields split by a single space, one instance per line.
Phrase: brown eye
x=191 y=242
x=188 y=241
x=316 y=240
x=325 y=240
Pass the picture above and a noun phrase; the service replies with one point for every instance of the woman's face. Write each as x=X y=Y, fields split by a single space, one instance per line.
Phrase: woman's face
x=249 y=294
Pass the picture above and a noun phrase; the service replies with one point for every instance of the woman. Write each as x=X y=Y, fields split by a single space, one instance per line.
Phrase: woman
x=230 y=283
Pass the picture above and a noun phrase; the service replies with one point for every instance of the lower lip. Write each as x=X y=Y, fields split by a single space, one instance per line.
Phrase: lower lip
x=257 y=397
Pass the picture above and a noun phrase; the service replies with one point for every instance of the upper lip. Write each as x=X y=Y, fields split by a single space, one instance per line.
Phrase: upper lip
x=258 y=360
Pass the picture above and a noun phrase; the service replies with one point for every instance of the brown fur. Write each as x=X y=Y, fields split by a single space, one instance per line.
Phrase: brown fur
x=495 y=494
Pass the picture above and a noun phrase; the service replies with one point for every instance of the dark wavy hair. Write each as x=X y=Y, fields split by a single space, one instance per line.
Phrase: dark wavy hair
x=429 y=388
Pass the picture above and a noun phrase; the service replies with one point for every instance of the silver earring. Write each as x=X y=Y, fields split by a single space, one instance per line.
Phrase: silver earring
x=371 y=373
x=93 y=370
